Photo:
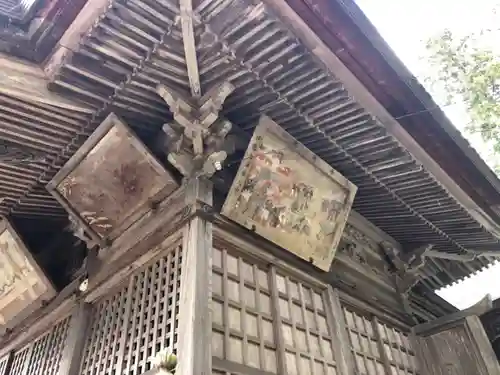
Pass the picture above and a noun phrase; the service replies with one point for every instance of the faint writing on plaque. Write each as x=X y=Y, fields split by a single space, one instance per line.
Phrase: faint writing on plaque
x=290 y=197
x=108 y=183
x=23 y=285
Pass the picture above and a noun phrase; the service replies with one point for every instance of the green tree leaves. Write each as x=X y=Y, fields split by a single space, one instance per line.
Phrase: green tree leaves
x=470 y=72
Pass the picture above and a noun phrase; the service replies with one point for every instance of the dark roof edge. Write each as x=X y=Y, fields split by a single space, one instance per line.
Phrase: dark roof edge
x=348 y=33
x=404 y=74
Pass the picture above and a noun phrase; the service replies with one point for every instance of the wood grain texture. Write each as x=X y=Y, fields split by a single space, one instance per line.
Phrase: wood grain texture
x=195 y=322
x=458 y=348
x=111 y=181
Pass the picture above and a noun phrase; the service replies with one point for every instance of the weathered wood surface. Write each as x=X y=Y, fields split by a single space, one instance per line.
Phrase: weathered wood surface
x=461 y=348
x=24 y=287
x=195 y=315
x=75 y=341
x=111 y=181
x=286 y=194
x=321 y=51
x=478 y=309
x=27 y=82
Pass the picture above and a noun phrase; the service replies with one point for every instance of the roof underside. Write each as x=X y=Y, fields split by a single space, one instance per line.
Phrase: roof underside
x=137 y=44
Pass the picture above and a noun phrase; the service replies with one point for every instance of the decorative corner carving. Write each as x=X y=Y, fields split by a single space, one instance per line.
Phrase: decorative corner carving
x=357 y=246
x=407 y=267
x=197 y=141
x=80 y=232
x=352 y=250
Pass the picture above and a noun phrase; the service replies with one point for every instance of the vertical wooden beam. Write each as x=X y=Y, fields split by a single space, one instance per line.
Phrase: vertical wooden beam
x=75 y=340
x=194 y=350
x=341 y=346
x=381 y=345
x=277 y=326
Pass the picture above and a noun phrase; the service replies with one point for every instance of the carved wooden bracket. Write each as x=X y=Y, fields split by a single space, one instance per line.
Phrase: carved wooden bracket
x=80 y=232
x=407 y=268
x=197 y=141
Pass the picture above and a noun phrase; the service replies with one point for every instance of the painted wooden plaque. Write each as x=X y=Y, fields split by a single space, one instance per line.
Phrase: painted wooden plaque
x=109 y=182
x=23 y=284
x=287 y=195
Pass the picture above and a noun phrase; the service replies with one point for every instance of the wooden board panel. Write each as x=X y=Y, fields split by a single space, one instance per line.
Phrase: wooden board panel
x=287 y=195
x=109 y=182
x=23 y=284
x=459 y=347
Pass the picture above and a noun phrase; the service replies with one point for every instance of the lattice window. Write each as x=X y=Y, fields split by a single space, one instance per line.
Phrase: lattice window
x=3 y=364
x=19 y=362
x=46 y=351
x=132 y=325
x=369 y=337
x=242 y=315
x=43 y=356
x=398 y=349
x=307 y=336
x=364 y=344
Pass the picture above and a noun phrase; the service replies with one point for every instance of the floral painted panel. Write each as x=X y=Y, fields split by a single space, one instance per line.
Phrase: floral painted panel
x=287 y=195
x=115 y=179
x=23 y=285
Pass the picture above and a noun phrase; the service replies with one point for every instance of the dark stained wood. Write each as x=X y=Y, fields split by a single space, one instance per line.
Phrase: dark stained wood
x=291 y=12
x=346 y=31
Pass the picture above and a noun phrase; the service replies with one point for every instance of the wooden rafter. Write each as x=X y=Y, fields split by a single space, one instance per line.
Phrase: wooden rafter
x=187 y=25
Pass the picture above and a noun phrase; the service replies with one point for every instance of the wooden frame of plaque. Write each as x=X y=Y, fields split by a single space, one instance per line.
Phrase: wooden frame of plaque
x=111 y=181
x=286 y=194
x=24 y=287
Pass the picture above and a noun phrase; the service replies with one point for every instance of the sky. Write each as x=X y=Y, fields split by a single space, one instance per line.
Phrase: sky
x=406 y=25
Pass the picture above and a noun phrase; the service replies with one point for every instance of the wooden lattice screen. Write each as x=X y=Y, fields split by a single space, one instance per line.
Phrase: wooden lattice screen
x=43 y=355
x=377 y=348
x=398 y=349
x=242 y=316
x=250 y=305
x=133 y=324
x=3 y=364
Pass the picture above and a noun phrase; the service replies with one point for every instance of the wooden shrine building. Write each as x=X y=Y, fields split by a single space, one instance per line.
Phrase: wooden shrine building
x=258 y=186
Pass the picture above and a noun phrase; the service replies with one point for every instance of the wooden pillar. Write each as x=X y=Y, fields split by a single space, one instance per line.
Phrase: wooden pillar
x=195 y=317
x=341 y=346
x=75 y=340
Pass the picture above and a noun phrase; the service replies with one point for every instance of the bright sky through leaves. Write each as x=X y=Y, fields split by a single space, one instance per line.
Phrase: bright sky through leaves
x=406 y=25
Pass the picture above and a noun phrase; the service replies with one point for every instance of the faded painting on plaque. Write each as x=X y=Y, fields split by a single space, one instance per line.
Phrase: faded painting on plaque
x=110 y=180
x=287 y=195
x=23 y=285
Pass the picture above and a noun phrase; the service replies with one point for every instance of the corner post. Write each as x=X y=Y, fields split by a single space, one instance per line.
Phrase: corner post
x=75 y=340
x=195 y=316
